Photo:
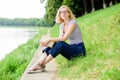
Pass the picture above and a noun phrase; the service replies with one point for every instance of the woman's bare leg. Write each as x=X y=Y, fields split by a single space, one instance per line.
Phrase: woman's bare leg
x=39 y=62
x=48 y=59
x=42 y=59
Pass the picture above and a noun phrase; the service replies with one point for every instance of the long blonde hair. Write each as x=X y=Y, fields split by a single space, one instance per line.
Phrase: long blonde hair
x=59 y=19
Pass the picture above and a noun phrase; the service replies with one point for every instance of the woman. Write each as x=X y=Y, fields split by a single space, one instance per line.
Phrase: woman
x=70 y=30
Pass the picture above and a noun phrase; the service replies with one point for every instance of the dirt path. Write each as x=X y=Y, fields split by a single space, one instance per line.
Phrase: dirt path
x=50 y=72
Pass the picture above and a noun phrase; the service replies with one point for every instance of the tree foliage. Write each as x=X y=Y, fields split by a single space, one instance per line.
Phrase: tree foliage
x=75 y=5
x=51 y=10
x=22 y=22
x=78 y=7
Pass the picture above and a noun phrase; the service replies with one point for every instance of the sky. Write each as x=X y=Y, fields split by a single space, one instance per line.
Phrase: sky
x=21 y=9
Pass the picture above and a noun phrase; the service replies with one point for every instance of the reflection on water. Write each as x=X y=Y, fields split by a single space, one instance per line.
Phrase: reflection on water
x=11 y=38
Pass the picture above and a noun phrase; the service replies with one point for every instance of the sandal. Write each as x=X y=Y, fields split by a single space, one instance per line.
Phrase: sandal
x=36 y=70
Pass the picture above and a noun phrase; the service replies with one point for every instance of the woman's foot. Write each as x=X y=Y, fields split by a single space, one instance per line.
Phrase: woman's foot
x=36 y=69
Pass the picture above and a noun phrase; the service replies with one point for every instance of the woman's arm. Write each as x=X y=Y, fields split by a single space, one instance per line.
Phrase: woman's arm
x=60 y=38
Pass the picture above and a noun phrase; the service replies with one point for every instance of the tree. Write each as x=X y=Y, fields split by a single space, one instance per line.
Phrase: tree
x=76 y=6
x=104 y=4
x=85 y=6
x=93 y=7
x=51 y=10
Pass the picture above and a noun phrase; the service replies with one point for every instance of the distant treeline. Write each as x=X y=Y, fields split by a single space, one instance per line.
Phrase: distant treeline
x=78 y=7
x=23 y=22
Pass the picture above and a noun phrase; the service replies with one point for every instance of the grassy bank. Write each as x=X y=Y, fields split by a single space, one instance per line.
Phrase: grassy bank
x=101 y=35
x=14 y=64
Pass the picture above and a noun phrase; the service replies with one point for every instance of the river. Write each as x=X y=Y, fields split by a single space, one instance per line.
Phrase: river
x=12 y=37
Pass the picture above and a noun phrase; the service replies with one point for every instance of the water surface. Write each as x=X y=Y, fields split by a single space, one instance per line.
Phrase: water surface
x=12 y=37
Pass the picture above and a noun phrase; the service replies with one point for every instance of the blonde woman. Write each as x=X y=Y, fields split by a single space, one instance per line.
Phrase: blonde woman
x=69 y=29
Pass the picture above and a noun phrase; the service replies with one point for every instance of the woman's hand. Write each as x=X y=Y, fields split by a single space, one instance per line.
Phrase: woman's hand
x=44 y=43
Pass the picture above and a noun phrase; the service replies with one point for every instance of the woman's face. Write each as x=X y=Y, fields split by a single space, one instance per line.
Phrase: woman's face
x=64 y=14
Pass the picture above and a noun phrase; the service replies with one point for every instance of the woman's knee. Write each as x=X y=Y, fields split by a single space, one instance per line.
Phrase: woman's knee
x=46 y=50
x=61 y=43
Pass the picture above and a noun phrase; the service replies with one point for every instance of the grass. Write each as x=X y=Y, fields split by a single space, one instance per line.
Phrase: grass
x=101 y=35
x=15 y=63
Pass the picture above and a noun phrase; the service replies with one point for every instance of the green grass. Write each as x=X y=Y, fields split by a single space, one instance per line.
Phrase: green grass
x=101 y=35
x=15 y=63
